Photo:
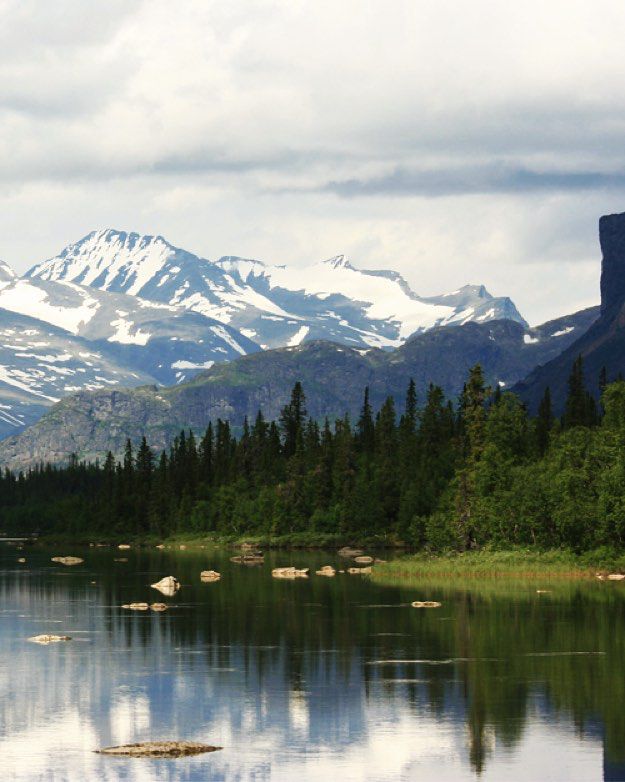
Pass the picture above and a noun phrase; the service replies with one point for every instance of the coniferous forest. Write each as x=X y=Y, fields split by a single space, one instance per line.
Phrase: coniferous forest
x=434 y=475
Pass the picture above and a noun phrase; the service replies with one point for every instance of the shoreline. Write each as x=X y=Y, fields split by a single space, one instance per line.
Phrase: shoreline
x=404 y=566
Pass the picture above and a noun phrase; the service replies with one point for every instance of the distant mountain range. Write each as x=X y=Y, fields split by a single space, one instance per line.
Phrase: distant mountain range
x=274 y=306
x=200 y=340
x=119 y=309
x=92 y=422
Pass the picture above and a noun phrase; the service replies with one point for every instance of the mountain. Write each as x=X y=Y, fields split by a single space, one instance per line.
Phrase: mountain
x=41 y=363
x=274 y=306
x=333 y=375
x=603 y=344
x=164 y=341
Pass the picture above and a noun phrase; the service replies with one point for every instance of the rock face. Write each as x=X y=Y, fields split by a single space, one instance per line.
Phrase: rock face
x=603 y=344
x=612 y=241
x=333 y=376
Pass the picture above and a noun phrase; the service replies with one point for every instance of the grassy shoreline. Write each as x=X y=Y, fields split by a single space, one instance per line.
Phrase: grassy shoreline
x=511 y=564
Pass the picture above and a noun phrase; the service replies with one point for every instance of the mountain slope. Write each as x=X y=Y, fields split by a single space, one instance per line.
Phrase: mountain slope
x=603 y=344
x=333 y=375
x=272 y=305
x=168 y=343
x=40 y=364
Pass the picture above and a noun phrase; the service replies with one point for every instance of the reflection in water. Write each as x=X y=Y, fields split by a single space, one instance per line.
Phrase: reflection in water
x=325 y=678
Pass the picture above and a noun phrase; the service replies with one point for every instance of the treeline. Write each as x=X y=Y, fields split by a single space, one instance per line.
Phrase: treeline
x=433 y=475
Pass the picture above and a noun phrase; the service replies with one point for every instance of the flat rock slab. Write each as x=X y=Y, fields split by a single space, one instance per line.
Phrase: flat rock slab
x=68 y=560
x=49 y=639
x=159 y=749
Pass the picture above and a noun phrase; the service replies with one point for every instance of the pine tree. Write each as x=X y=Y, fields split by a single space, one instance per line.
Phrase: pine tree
x=365 y=437
x=544 y=422
x=292 y=419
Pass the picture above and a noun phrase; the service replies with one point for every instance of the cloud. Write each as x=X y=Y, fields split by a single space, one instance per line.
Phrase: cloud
x=470 y=180
x=454 y=142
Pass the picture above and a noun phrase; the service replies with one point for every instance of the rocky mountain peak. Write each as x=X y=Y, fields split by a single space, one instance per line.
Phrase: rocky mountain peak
x=612 y=240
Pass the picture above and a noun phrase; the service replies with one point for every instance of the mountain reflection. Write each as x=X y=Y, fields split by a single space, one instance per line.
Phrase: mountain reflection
x=325 y=678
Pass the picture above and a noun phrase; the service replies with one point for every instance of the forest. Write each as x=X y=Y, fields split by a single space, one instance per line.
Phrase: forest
x=435 y=475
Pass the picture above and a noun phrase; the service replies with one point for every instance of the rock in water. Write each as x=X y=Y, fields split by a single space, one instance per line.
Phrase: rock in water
x=616 y=576
x=289 y=572
x=168 y=586
x=158 y=607
x=49 y=639
x=210 y=575
x=159 y=749
x=426 y=604
x=359 y=571
x=123 y=546
x=363 y=560
x=136 y=606
x=68 y=560
x=326 y=570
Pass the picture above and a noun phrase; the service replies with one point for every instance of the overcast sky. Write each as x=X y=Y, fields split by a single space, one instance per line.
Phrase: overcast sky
x=453 y=141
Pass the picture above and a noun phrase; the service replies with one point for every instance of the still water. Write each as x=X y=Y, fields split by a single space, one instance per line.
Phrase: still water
x=318 y=679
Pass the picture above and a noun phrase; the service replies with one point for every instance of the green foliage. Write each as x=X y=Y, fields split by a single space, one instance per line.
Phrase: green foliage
x=436 y=478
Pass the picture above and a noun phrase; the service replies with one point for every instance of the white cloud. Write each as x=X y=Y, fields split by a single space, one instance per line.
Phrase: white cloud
x=479 y=141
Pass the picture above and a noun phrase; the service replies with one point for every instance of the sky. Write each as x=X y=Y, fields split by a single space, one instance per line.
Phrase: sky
x=456 y=142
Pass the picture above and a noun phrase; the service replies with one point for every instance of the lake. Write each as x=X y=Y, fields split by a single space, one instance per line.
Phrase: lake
x=313 y=679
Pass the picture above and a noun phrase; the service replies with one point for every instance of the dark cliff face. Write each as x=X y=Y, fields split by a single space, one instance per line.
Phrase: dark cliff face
x=603 y=345
x=612 y=240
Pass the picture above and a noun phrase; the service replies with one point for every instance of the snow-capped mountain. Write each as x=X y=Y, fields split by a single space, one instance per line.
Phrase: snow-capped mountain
x=271 y=305
x=166 y=343
x=41 y=363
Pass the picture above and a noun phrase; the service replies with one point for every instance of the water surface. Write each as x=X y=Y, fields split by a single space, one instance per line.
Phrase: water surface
x=325 y=678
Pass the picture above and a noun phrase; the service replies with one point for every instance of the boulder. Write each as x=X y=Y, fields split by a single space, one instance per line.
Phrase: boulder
x=136 y=606
x=359 y=571
x=616 y=576
x=289 y=572
x=363 y=560
x=159 y=749
x=210 y=575
x=68 y=560
x=124 y=546
x=49 y=639
x=21 y=560
x=326 y=570
x=158 y=607
x=168 y=586
x=426 y=604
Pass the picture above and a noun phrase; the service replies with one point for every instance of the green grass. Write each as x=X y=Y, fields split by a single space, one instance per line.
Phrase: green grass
x=516 y=563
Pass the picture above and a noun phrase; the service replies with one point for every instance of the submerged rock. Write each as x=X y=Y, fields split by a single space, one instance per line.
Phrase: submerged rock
x=426 y=604
x=210 y=575
x=326 y=570
x=159 y=749
x=257 y=558
x=359 y=571
x=350 y=553
x=290 y=572
x=168 y=586
x=363 y=560
x=49 y=639
x=68 y=560
x=136 y=606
